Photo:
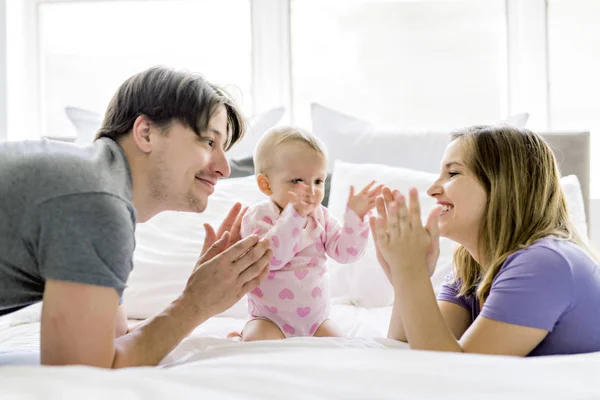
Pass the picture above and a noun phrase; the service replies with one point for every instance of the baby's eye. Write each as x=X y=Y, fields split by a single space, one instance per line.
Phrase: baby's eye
x=296 y=181
x=319 y=181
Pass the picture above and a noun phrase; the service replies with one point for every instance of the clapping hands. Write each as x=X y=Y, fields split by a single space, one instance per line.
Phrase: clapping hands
x=364 y=201
x=403 y=244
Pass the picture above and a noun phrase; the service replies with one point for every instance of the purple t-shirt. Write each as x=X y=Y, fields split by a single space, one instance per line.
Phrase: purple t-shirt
x=551 y=285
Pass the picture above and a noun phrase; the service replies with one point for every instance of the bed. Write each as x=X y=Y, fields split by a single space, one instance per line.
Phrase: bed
x=365 y=366
x=362 y=365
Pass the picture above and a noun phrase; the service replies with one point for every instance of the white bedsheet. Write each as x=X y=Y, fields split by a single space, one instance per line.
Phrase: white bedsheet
x=206 y=365
x=19 y=332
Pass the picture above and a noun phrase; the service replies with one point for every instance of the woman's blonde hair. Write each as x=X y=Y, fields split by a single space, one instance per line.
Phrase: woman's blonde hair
x=268 y=143
x=525 y=201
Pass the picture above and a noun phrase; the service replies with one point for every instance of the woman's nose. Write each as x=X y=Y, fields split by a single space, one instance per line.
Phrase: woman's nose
x=435 y=189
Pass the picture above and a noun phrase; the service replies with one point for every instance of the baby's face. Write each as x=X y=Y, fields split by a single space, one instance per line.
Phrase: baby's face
x=297 y=162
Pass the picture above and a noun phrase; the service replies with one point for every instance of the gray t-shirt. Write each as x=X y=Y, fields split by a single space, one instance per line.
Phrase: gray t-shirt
x=66 y=214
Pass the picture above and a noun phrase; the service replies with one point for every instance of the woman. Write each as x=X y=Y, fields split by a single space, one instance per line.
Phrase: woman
x=524 y=282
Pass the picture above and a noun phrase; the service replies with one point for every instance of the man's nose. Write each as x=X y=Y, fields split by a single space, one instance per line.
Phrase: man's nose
x=220 y=164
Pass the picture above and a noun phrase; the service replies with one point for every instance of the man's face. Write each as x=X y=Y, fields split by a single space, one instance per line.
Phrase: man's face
x=185 y=167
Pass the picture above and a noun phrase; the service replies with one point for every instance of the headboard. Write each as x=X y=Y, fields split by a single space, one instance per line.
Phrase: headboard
x=572 y=151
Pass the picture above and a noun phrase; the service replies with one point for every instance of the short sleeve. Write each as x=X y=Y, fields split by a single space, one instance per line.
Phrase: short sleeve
x=85 y=238
x=533 y=288
x=449 y=292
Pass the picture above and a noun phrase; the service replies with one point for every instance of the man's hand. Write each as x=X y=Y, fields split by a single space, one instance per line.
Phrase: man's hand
x=232 y=224
x=223 y=276
x=78 y=320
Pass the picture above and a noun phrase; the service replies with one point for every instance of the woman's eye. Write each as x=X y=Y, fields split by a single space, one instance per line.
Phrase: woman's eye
x=452 y=174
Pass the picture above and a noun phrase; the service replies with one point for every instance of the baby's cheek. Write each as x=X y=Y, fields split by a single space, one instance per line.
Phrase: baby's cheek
x=282 y=198
x=321 y=194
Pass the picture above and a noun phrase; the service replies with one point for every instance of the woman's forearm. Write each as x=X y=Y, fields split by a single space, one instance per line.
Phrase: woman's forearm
x=396 y=329
x=423 y=323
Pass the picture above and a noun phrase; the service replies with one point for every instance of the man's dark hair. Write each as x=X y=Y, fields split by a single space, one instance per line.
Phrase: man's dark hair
x=164 y=96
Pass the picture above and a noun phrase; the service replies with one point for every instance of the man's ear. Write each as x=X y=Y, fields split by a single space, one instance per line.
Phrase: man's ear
x=140 y=132
x=263 y=184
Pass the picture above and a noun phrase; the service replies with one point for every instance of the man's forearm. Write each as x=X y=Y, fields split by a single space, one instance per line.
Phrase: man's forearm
x=148 y=343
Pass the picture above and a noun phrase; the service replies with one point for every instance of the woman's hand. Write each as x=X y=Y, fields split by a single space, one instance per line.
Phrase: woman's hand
x=404 y=244
x=384 y=265
x=364 y=201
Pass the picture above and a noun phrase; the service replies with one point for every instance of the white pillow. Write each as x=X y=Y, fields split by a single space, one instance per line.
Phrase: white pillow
x=575 y=204
x=363 y=283
x=168 y=246
x=86 y=124
x=517 y=120
x=257 y=126
x=353 y=140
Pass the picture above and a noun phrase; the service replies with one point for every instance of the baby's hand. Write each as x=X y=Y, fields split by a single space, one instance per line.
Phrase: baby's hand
x=364 y=201
x=299 y=199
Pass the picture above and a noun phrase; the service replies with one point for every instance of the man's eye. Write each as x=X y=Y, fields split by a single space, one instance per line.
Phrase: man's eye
x=209 y=141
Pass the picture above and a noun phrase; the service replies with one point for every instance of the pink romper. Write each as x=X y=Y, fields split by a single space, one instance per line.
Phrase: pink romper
x=295 y=295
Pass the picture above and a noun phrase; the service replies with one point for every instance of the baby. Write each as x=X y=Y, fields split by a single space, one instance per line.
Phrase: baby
x=291 y=167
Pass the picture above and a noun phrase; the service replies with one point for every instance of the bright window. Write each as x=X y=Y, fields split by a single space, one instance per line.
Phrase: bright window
x=574 y=71
x=87 y=49
x=430 y=64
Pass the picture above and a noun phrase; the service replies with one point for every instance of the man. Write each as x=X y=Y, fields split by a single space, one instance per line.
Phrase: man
x=68 y=215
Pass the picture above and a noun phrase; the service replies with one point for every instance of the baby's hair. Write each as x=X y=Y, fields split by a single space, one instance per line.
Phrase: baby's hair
x=269 y=142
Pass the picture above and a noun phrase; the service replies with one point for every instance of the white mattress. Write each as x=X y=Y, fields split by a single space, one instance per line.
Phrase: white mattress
x=358 y=367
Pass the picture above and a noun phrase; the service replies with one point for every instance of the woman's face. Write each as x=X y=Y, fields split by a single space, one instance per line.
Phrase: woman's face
x=462 y=196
